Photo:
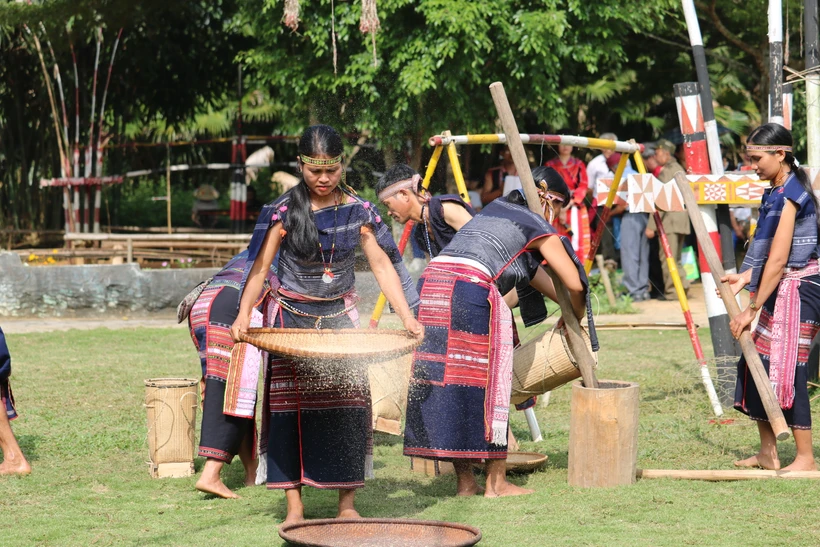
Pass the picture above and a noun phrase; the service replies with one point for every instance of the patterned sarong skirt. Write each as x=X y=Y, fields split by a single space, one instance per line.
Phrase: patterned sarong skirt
x=210 y=321
x=747 y=398
x=319 y=415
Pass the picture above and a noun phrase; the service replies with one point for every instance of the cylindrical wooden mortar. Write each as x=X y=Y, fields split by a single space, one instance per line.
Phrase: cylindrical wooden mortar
x=603 y=435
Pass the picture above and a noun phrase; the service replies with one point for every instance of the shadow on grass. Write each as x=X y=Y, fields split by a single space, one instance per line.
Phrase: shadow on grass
x=385 y=439
x=28 y=444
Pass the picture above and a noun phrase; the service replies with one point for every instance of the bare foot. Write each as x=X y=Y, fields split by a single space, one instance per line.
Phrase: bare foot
x=348 y=514
x=759 y=460
x=469 y=490
x=504 y=489
x=293 y=518
x=217 y=488
x=18 y=467
x=250 y=473
x=801 y=464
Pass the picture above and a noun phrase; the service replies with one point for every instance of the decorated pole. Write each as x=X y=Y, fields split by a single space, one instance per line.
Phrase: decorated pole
x=755 y=365
x=691 y=328
x=89 y=151
x=788 y=105
x=812 y=56
x=692 y=127
x=623 y=147
x=776 y=61
x=717 y=218
x=577 y=346
x=709 y=123
x=99 y=150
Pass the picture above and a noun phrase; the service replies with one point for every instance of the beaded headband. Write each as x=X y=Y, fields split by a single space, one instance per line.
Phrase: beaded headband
x=307 y=160
x=411 y=184
x=767 y=148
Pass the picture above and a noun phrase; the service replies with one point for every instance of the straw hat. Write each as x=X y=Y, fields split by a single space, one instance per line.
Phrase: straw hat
x=206 y=192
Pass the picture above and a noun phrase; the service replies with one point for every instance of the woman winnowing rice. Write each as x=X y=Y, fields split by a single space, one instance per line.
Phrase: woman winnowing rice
x=319 y=422
x=459 y=396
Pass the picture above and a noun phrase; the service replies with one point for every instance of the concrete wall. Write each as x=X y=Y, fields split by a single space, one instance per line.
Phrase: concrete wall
x=66 y=291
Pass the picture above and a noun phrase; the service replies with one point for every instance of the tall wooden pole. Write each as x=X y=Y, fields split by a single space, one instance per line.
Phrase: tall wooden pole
x=776 y=61
x=761 y=379
x=168 y=186
x=812 y=56
x=586 y=363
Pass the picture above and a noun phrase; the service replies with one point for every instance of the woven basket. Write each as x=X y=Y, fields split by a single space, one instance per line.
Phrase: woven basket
x=521 y=462
x=333 y=343
x=171 y=404
x=379 y=533
x=543 y=364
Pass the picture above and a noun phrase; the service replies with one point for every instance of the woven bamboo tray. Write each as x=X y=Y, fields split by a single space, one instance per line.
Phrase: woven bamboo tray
x=522 y=462
x=333 y=343
x=379 y=533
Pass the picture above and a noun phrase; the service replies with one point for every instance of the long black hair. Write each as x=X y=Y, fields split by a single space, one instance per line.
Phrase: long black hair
x=776 y=134
x=317 y=140
x=398 y=172
x=553 y=180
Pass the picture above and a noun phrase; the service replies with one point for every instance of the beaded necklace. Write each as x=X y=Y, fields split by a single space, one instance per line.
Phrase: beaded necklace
x=327 y=276
x=426 y=232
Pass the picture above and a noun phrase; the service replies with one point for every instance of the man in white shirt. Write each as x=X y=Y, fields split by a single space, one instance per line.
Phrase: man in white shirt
x=597 y=167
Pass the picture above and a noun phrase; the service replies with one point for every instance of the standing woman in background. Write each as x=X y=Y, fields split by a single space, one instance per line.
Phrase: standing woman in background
x=783 y=279
x=319 y=426
x=574 y=173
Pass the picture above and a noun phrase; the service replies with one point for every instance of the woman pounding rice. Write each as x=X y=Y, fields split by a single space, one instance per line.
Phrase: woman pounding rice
x=319 y=420
x=226 y=432
x=459 y=395
x=783 y=278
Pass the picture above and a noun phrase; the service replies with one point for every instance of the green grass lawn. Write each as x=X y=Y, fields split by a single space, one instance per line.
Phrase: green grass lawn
x=83 y=428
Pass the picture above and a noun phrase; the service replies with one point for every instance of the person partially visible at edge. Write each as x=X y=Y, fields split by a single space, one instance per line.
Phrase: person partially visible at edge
x=783 y=278
x=437 y=218
x=319 y=418
x=634 y=246
x=14 y=462
x=574 y=173
x=227 y=430
x=459 y=394
x=675 y=224
x=500 y=180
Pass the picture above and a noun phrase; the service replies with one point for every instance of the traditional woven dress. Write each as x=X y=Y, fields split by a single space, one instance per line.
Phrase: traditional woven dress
x=574 y=174
x=6 y=397
x=442 y=232
x=459 y=394
x=790 y=317
x=318 y=415
x=210 y=320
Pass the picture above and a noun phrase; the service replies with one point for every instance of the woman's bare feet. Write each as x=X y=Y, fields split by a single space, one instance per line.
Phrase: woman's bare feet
x=497 y=484
x=347 y=497
x=504 y=488
x=348 y=514
x=760 y=460
x=19 y=466
x=466 y=484
x=217 y=488
x=250 y=473
x=210 y=482
x=801 y=464
x=296 y=509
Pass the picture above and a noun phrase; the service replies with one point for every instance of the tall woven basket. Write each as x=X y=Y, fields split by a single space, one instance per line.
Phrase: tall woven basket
x=171 y=404
x=543 y=364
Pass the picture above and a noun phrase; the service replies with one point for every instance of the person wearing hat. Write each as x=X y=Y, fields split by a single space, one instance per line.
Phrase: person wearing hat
x=649 y=161
x=676 y=224
x=205 y=201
